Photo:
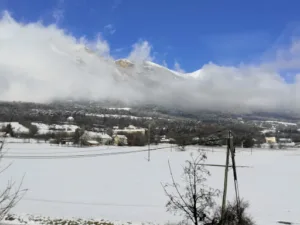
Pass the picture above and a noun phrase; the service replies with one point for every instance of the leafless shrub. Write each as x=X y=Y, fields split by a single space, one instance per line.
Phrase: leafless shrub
x=196 y=201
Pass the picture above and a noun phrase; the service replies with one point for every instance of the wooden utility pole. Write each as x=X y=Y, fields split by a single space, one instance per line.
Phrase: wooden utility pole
x=229 y=149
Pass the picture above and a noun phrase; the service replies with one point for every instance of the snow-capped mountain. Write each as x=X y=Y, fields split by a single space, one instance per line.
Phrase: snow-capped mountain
x=147 y=69
x=154 y=70
x=146 y=72
x=94 y=75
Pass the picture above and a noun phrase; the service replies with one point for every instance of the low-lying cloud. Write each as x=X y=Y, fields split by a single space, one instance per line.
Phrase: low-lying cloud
x=43 y=62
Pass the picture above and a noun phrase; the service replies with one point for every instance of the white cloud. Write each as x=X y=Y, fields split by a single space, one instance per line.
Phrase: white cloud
x=58 y=15
x=99 y=45
x=116 y=4
x=141 y=52
x=177 y=67
x=41 y=63
x=58 y=12
x=109 y=28
x=119 y=49
x=165 y=64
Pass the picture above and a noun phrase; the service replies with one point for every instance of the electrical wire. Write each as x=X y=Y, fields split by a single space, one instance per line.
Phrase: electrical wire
x=95 y=150
x=88 y=203
x=87 y=150
x=72 y=156
x=59 y=152
x=81 y=155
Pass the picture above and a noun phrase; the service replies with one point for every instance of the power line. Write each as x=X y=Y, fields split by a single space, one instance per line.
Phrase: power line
x=79 y=156
x=58 y=152
x=88 y=203
x=43 y=154
x=220 y=165
x=96 y=150
x=71 y=156
x=103 y=154
x=38 y=152
x=58 y=155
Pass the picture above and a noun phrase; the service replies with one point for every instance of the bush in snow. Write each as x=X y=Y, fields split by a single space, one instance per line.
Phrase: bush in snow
x=234 y=214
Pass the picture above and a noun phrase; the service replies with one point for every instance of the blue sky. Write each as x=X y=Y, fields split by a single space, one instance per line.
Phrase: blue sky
x=192 y=32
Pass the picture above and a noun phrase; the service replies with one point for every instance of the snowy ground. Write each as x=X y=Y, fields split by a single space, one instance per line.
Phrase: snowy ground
x=16 y=126
x=128 y=188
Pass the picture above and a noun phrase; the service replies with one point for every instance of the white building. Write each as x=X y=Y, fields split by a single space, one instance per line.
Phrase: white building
x=270 y=140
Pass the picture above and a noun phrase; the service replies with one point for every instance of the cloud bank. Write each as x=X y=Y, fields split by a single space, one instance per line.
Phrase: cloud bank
x=43 y=62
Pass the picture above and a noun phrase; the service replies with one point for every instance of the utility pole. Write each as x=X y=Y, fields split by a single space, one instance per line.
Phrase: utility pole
x=149 y=128
x=229 y=149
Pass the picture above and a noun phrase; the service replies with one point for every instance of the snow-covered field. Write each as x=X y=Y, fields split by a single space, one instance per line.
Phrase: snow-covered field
x=127 y=187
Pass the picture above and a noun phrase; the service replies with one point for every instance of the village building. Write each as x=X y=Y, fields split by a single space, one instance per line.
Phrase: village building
x=270 y=143
x=91 y=143
x=270 y=140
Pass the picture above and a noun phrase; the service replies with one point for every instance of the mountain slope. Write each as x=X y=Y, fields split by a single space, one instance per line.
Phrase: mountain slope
x=147 y=69
x=91 y=75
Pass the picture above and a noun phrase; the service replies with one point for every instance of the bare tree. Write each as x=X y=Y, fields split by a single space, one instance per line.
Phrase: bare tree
x=196 y=200
x=11 y=194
